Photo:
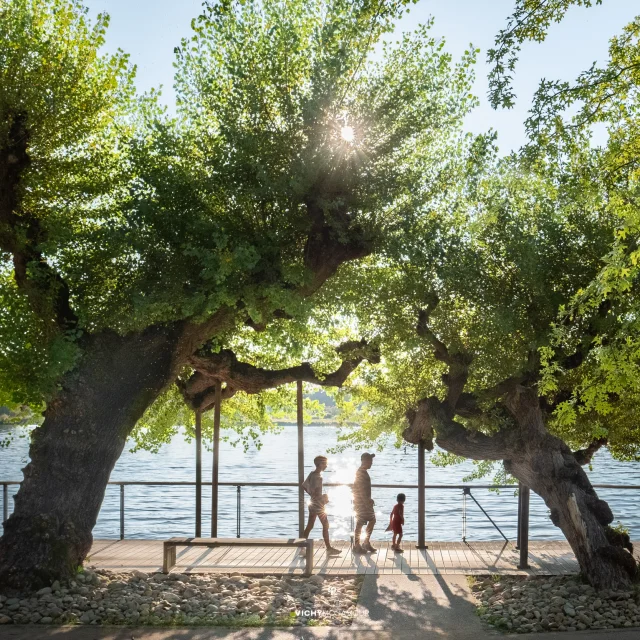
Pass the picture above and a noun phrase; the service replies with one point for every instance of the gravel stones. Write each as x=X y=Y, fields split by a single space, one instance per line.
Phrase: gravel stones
x=553 y=603
x=103 y=597
x=140 y=575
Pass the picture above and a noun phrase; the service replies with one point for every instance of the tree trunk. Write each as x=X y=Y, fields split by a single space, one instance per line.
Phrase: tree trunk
x=605 y=556
x=74 y=451
x=547 y=465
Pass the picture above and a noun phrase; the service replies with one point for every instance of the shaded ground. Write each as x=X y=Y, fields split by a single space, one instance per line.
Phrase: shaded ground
x=435 y=605
x=390 y=608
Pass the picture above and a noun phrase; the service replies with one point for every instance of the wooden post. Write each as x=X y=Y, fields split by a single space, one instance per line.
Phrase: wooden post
x=216 y=460
x=198 y=474
x=421 y=498
x=523 y=527
x=300 y=460
x=308 y=559
x=168 y=556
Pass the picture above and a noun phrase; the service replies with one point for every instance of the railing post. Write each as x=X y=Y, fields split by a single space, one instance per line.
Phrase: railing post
x=122 y=512
x=198 y=473
x=5 y=503
x=421 y=498
x=300 y=459
x=238 y=507
x=465 y=493
x=519 y=514
x=216 y=461
x=524 y=527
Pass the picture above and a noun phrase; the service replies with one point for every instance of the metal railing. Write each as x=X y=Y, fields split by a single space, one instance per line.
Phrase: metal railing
x=239 y=485
x=466 y=489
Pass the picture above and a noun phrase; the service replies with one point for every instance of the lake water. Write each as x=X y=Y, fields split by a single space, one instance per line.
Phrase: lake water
x=161 y=512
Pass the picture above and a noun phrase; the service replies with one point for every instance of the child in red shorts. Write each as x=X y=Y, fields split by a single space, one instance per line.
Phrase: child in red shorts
x=396 y=520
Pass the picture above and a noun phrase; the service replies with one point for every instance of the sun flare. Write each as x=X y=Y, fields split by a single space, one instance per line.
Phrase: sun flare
x=347 y=133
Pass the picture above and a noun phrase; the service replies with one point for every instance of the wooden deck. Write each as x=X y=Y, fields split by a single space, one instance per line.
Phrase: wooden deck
x=545 y=558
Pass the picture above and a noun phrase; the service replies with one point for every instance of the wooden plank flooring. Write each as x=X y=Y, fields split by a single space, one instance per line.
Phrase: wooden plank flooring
x=474 y=558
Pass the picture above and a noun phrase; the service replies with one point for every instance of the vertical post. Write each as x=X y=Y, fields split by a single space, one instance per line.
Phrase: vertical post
x=198 y=473
x=308 y=559
x=466 y=491
x=519 y=514
x=300 y=460
x=122 y=512
x=5 y=502
x=216 y=461
x=353 y=524
x=524 y=528
x=421 y=498
x=238 y=507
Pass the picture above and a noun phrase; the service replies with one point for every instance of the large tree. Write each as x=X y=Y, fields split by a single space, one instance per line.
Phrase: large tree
x=466 y=315
x=512 y=328
x=561 y=119
x=129 y=239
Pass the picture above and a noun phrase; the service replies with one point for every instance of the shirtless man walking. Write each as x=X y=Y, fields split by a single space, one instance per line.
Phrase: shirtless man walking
x=363 y=505
x=313 y=486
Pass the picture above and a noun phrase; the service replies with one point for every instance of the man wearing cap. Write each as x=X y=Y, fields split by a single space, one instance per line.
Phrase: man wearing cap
x=363 y=504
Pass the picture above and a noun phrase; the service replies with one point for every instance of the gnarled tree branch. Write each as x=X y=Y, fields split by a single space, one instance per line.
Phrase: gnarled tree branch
x=433 y=417
x=575 y=359
x=334 y=238
x=456 y=378
x=584 y=456
x=224 y=367
x=261 y=326
x=21 y=235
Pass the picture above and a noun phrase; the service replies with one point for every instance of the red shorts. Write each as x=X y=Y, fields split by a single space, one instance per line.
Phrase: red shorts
x=397 y=529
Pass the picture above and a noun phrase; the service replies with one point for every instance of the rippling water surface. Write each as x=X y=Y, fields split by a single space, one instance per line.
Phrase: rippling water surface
x=160 y=512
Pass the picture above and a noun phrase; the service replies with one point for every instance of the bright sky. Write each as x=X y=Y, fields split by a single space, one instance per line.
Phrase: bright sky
x=150 y=29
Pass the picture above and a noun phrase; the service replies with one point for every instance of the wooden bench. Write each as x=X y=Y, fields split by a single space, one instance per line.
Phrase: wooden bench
x=169 y=551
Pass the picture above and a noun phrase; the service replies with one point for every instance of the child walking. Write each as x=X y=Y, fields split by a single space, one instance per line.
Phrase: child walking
x=396 y=520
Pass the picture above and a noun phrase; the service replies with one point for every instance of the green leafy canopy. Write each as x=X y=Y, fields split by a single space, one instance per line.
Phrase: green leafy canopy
x=150 y=219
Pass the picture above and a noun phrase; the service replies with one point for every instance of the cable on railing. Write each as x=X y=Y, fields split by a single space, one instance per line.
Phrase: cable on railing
x=466 y=491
